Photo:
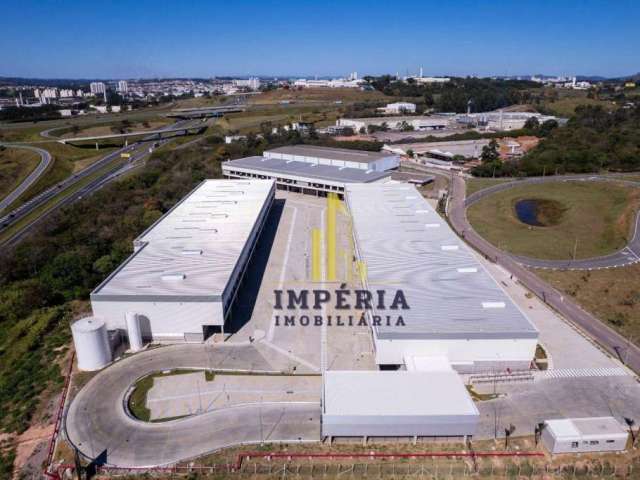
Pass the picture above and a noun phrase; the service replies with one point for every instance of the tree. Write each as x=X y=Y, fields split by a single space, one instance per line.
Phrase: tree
x=546 y=127
x=532 y=123
x=490 y=154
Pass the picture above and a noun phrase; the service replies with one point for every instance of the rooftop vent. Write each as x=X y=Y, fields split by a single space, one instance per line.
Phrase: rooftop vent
x=173 y=277
x=493 y=305
x=192 y=251
x=467 y=270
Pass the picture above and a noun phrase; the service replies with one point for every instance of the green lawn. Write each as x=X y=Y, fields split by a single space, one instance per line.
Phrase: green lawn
x=64 y=162
x=476 y=184
x=612 y=295
x=598 y=214
x=15 y=165
x=52 y=202
x=138 y=398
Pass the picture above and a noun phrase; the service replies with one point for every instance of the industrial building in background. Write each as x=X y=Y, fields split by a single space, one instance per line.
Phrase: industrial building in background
x=180 y=283
x=315 y=170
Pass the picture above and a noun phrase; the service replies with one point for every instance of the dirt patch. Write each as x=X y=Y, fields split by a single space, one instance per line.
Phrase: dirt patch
x=30 y=446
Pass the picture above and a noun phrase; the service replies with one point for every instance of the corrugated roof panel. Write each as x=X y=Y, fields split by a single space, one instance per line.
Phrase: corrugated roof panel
x=449 y=293
x=193 y=249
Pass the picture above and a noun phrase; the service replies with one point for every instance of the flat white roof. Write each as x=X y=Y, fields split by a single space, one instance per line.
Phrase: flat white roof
x=191 y=252
x=406 y=245
x=585 y=428
x=329 y=153
x=309 y=172
x=396 y=393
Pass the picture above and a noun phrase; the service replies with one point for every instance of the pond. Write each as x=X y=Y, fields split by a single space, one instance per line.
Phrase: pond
x=539 y=212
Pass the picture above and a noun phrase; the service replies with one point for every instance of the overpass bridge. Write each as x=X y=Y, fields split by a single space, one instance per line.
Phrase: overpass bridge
x=205 y=112
x=148 y=134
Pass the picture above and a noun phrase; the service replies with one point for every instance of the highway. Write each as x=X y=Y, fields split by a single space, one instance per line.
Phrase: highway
x=98 y=424
x=137 y=151
x=45 y=161
x=609 y=339
x=626 y=256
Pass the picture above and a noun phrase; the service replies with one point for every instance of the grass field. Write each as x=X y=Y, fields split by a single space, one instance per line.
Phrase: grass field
x=51 y=203
x=67 y=159
x=250 y=121
x=476 y=184
x=15 y=165
x=569 y=100
x=598 y=214
x=318 y=95
x=111 y=128
x=613 y=295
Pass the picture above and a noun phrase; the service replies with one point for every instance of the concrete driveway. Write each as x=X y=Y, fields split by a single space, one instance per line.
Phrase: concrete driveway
x=98 y=425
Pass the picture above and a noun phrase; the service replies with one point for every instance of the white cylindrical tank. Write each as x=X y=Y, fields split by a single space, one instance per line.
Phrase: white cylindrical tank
x=134 y=331
x=92 y=343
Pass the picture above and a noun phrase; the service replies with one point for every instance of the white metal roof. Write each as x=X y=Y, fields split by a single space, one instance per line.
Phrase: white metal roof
x=191 y=252
x=396 y=393
x=310 y=172
x=406 y=245
x=585 y=428
x=329 y=153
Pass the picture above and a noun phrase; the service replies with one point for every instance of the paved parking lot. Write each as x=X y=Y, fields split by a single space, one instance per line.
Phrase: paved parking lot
x=191 y=393
x=286 y=259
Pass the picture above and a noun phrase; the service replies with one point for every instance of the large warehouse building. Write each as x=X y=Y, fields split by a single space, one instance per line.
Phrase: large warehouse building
x=315 y=170
x=182 y=278
x=457 y=310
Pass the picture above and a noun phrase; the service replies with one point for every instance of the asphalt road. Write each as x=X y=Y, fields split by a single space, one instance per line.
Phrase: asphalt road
x=45 y=160
x=601 y=333
x=99 y=426
x=627 y=256
x=137 y=150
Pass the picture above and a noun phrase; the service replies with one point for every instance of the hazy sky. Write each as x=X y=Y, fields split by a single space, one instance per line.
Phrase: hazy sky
x=128 y=39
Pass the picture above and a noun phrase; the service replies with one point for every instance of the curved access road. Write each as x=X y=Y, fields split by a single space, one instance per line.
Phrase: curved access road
x=608 y=338
x=98 y=424
x=45 y=161
x=624 y=257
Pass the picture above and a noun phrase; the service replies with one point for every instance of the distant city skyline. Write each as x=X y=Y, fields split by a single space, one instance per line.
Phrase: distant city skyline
x=147 y=39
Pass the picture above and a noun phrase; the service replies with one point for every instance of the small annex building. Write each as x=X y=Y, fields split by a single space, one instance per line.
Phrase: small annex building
x=573 y=435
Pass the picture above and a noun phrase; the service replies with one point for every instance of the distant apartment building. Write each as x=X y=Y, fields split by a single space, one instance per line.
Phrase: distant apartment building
x=66 y=93
x=45 y=94
x=123 y=86
x=252 y=83
x=97 y=88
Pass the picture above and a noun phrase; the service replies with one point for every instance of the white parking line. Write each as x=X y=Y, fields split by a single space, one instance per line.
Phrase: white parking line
x=283 y=271
x=581 y=373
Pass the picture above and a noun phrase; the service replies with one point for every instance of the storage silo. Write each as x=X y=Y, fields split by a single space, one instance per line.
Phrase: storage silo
x=134 y=331
x=92 y=343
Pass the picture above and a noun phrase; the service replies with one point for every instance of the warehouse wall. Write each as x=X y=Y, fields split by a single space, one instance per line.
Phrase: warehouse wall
x=469 y=355
x=335 y=425
x=161 y=320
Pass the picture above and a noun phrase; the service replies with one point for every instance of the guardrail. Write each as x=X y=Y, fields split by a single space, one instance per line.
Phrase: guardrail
x=269 y=456
x=58 y=422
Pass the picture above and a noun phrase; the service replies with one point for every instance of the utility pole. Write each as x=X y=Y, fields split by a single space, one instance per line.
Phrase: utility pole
x=261 y=431
x=575 y=248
